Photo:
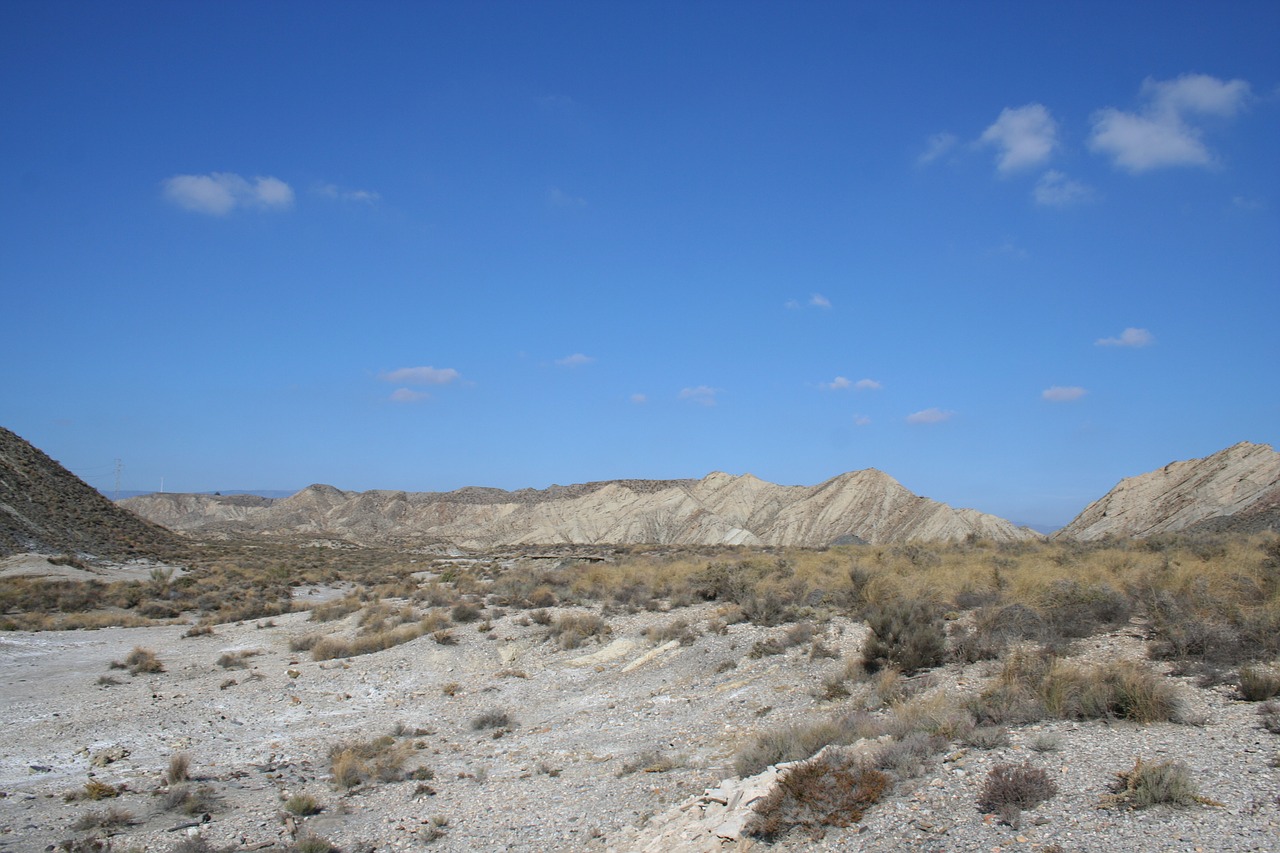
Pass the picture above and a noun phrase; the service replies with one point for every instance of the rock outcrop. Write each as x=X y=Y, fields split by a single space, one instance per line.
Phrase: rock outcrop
x=1236 y=489
x=46 y=509
x=720 y=509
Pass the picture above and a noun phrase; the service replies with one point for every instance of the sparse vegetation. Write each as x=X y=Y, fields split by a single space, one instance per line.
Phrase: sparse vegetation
x=1146 y=784
x=179 y=769
x=495 y=718
x=821 y=792
x=1009 y=789
x=356 y=762
x=302 y=805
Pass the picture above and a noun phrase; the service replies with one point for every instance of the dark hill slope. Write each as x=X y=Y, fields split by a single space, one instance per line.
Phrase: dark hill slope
x=46 y=509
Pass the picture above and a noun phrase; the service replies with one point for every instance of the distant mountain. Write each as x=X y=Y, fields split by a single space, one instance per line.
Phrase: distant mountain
x=720 y=509
x=46 y=509
x=137 y=493
x=1234 y=490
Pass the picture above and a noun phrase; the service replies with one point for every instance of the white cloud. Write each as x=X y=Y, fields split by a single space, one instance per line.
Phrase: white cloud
x=1025 y=137
x=334 y=191
x=1128 y=338
x=639 y=399
x=929 y=416
x=838 y=384
x=702 y=394
x=557 y=197
x=219 y=193
x=867 y=385
x=1055 y=189
x=861 y=420
x=1063 y=393
x=407 y=395
x=819 y=301
x=1161 y=134
x=575 y=360
x=421 y=375
x=938 y=144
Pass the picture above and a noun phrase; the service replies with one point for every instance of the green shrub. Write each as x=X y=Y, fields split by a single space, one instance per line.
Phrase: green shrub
x=906 y=635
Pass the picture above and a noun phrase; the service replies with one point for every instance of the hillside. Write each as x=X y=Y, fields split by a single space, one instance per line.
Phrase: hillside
x=44 y=508
x=720 y=509
x=1234 y=490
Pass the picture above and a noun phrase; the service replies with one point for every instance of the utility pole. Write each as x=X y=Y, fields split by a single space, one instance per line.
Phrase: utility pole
x=119 y=466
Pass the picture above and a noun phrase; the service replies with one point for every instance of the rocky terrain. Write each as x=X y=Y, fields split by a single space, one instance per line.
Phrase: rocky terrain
x=720 y=509
x=44 y=508
x=1234 y=490
x=625 y=744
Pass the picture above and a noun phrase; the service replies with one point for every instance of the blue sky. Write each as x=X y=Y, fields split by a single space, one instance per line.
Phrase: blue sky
x=1006 y=252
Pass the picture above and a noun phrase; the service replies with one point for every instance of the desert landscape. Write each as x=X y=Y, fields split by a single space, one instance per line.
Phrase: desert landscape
x=524 y=671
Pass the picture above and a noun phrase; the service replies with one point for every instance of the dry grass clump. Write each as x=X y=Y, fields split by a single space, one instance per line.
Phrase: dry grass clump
x=650 y=761
x=237 y=659
x=1012 y=788
x=1145 y=784
x=355 y=762
x=1034 y=686
x=822 y=792
x=140 y=660
x=494 y=718
x=111 y=818
x=302 y=805
x=678 y=629
x=190 y=800
x=570 y=630
x=179 y=769
x=335 y=609
x=328 y=648
x=799 y=741
x=94 y=790
x=312 y=844
x=1259 y=683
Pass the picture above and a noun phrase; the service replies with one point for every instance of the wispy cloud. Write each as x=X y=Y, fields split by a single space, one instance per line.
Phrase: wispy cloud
x=842 y=383
x=1024 y=137
x=408 y=395
x=930 y=416
x=558 y=198
x=838 y=384
x=938 y=145
x=867 y=385
x=1063 y=393
x=1128 y=338
x=219 y=193
x=861 y=420
x=421 y=375
x=336 y=192
x=575 y=360
x=1162 y=133
x=639 y=399
x=1055 y=189
x=704 y=395
x=817 y=300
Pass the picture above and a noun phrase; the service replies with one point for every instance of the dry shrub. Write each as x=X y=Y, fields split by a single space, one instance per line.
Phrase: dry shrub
x=1011 y=788
x=572 y=629
x=650 y=761
x=179 y=769
x=1168 y=782
x=822 y=792
x=189 y=800
x=494 y=718
x=680 y=629
x=1034 y=686
x=142 y=660
x=464 y=612
x=302 y=805
x=335 y=609
x=236 y=660
x=1259 y=683
x=111 y=818
x=1269 y=712
x=800 y=741
x=906 y=635
x=355 y=762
